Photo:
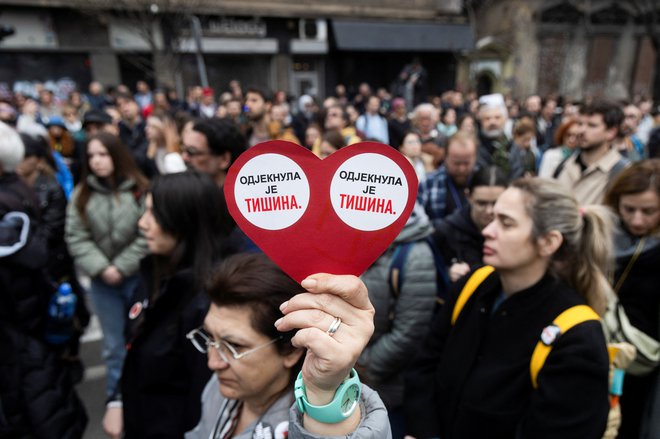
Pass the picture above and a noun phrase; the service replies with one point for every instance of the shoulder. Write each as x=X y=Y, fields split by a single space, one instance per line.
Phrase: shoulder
x=437 y=176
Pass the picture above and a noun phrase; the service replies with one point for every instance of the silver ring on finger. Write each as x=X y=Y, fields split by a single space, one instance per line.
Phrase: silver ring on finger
x=333 y=326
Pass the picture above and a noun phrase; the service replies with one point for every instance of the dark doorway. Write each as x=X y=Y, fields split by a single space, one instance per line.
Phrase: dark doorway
x=380 y=69
x=134 y=67
x=484 y=84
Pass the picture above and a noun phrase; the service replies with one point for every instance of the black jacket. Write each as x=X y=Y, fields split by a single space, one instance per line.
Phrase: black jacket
x=459 y=238
x=24 y=285
x=163 y=375
x=37 y=398
x=640 y=297
x=472 y=380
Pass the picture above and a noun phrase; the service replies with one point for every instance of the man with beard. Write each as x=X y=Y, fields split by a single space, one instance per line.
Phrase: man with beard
x=627 y=142
x=494 y=146
x=211 y=146
x=589 y=171
x=260 y=127
x=443 y=190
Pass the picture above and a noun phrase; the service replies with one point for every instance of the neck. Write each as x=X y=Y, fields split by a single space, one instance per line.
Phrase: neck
x=255 y=407
x=514 y=281
x=219 y=179
x=261 y=123
x=592 y=155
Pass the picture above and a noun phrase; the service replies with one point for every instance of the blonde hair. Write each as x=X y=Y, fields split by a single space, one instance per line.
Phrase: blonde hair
x=585 y=256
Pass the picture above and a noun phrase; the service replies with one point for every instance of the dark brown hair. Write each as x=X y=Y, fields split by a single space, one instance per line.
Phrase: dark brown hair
x=524 y=126
x=640 y=177
x=124 y=169
x=334 y=138
x=252 y=280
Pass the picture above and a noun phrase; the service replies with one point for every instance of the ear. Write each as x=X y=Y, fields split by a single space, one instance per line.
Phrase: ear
x=612 y=133
x=292 y=359
x=549 y=243
x=224 y=160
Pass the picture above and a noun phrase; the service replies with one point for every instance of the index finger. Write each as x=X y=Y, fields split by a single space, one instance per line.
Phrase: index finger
x=349 y=288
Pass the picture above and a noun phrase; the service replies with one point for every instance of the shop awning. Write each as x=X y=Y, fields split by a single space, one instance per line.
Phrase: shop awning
x=388 y=36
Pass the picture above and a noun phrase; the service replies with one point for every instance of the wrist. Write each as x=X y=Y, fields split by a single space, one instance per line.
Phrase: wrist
x=317 y=396
x=328 y=407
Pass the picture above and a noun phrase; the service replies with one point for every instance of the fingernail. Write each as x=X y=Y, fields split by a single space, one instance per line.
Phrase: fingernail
x=308 y=283
x=277 y=322
x=284 y=305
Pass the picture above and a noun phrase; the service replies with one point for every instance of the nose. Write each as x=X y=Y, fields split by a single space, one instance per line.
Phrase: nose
x=489 y=231
x=215 y=361
x=637 y=218
x=142 y=222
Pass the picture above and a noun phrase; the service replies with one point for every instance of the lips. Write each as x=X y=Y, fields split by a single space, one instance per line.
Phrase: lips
x=487 y=251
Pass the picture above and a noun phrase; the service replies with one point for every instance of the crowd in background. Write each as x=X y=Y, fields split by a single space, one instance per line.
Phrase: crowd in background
x=93 y=164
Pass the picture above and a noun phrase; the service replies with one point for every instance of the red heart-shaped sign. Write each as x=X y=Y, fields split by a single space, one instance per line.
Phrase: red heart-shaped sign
x=336 y=215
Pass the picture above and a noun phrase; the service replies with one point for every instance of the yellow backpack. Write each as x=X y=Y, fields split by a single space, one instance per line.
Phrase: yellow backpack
x=561 y=324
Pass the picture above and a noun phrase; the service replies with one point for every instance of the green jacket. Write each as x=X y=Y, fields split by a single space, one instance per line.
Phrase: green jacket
x=110 y=234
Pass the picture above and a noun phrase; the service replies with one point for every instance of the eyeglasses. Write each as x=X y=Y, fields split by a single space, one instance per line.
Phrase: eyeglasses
x=192 y=151
x=201 y=340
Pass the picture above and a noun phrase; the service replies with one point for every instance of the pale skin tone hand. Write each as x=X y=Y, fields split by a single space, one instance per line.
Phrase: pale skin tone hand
x=112 y=276
x=329 y=359
x=113 y=422
x=458 y=270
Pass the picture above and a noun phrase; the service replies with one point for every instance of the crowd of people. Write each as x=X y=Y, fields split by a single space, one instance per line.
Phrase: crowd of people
x=534 y=220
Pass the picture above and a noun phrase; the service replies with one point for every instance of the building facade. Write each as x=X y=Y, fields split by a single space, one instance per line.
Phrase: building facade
x=299 y=46
x=573 y=48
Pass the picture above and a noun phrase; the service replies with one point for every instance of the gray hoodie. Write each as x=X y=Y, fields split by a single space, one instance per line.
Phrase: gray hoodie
x=402 y=321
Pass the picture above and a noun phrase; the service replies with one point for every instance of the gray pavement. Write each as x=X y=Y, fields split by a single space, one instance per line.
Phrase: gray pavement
x=92 y=388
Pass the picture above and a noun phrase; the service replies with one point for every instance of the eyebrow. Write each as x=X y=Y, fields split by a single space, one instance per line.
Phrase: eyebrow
x=228 y=338
x=502 y=217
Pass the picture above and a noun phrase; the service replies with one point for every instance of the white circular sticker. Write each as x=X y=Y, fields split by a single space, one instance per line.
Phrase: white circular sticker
x=369 y=192
x=272 y=191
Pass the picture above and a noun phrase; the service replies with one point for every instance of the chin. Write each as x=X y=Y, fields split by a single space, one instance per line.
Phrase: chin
x=490 y=260
x=229 y=392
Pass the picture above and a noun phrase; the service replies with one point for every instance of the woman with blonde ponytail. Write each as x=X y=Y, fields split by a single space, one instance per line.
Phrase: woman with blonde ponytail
x=500 y=362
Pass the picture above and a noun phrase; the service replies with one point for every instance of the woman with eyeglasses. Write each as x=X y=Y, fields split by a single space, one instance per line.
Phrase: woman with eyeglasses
x=258 y=358
x=565 y=143
x=163 y=375
x=459 y=234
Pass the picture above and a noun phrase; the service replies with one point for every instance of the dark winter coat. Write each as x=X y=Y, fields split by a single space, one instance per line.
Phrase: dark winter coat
x=164 y=375
x=401 y=320
x=640 y=297
x=472 y=380
x=24 y=285
x=37 y=397
x=459 y=239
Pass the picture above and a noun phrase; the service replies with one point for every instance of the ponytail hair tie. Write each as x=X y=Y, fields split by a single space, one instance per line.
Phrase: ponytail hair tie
x=582 y=210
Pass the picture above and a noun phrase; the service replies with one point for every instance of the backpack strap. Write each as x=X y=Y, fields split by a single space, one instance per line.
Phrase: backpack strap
x=618 y=167
x=561 y=165
x=470 y=287
x=442 y=276
x=396 y=267
x=561 y=324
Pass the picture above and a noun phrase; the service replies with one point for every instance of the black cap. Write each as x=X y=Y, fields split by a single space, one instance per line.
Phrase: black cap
x=96 y=116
